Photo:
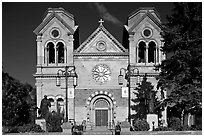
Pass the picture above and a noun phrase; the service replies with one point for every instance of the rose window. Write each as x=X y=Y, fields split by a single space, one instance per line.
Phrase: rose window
x=101 y=73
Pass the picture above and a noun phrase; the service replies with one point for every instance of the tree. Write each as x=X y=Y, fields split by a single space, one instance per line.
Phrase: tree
x=15 y=101
x=181 y=71
x=145 y=100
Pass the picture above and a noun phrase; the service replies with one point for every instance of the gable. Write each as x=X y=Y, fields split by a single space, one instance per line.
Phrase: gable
x=146 y=23
x=100 y=41
x=151 y=15
x=48 y=21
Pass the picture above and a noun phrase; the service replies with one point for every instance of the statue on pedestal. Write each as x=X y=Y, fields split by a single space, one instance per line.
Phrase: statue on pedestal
x=44 y=107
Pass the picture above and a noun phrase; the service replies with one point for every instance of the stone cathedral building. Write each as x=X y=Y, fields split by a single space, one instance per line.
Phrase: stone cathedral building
x=97 y=98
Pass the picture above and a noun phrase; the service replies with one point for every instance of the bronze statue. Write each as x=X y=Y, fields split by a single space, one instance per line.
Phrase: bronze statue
x=44 y=107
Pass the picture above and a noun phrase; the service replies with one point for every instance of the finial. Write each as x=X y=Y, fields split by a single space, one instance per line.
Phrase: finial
x=101 y=21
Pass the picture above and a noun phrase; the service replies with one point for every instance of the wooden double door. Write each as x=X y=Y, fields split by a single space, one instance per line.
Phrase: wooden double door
x=101 y=117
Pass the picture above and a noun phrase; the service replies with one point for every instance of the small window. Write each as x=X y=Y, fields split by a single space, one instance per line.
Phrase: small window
x=55 y=33
x=147 y=33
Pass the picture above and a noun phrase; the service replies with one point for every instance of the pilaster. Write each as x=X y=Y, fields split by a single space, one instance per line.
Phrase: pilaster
x=39 y=50
x=132 y=49
x=70 y=50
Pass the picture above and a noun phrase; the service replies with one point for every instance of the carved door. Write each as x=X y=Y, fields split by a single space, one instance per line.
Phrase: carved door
x=101 y=117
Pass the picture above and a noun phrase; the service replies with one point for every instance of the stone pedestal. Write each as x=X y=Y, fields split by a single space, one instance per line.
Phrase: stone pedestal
x=42 y=123
x=66 y=127
x=152 y=118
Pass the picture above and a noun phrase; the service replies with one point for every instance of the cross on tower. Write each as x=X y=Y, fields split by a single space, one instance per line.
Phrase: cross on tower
x=101 y=21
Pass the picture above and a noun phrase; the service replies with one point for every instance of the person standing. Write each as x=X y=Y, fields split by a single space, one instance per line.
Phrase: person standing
x=117 y=129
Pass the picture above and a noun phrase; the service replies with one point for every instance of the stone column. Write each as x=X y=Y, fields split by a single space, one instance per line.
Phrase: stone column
x=157 y=54
x=65 y=54
x=39 y=50
x=55 y=47
x=137 y=53
x=146 y=54
x=46 y=55
x=56 y=55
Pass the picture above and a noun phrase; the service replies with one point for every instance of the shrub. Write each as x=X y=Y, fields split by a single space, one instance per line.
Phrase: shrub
x=30 y=128
x=141 y=125
x=163 y=129
x=13 y=129
x=175 y=123
x=54 y=122
x=24 y=128
x=196 y=127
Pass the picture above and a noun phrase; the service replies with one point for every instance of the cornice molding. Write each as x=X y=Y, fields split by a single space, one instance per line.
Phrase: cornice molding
x=102 y=54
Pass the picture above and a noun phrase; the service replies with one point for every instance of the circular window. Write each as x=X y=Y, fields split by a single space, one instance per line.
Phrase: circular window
x=101 y=73
x=147 y=32
x=55 y=33
x=101 y=46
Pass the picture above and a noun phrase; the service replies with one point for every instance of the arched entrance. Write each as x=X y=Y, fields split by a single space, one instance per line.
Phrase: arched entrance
x=101 y=112
x=101 y=109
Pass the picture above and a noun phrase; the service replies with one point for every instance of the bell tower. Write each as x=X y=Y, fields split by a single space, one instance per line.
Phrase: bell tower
x=55 y=46
x=143 y=38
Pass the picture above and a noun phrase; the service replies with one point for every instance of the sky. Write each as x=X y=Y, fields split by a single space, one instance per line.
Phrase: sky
x=19 y=20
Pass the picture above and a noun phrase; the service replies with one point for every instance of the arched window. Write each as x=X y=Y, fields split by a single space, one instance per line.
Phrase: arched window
x=101 y=103
x=60 y=100
x=60 y=105
x=51 y=52
x=60 y=50
x=141 y=56
x=51 y=100
x=152 y=52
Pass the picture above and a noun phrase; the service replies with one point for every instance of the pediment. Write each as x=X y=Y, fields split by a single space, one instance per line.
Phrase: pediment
x=100 y=41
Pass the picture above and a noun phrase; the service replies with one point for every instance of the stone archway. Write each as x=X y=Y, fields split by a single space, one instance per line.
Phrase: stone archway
x=101 y=109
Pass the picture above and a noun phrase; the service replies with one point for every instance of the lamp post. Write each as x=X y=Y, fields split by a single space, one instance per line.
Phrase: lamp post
x=68 y=72
x=128 y=73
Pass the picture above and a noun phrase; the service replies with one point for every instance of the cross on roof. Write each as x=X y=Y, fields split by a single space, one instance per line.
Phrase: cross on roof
x=101 y=21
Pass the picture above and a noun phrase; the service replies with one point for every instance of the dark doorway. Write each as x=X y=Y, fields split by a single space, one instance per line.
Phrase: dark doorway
x=101 y=117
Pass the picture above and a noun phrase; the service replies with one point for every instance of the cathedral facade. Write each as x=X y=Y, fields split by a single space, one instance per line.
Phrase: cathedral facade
x=82 y=82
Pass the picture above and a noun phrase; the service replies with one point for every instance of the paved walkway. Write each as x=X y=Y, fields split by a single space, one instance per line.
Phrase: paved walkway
x=105 y=131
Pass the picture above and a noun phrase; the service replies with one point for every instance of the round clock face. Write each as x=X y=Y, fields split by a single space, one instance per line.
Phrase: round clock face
x=101 y=73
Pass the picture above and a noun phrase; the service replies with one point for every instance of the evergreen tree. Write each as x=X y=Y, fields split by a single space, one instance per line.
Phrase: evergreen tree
x=145 y=100
x=181 y=72
x=15 y=101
